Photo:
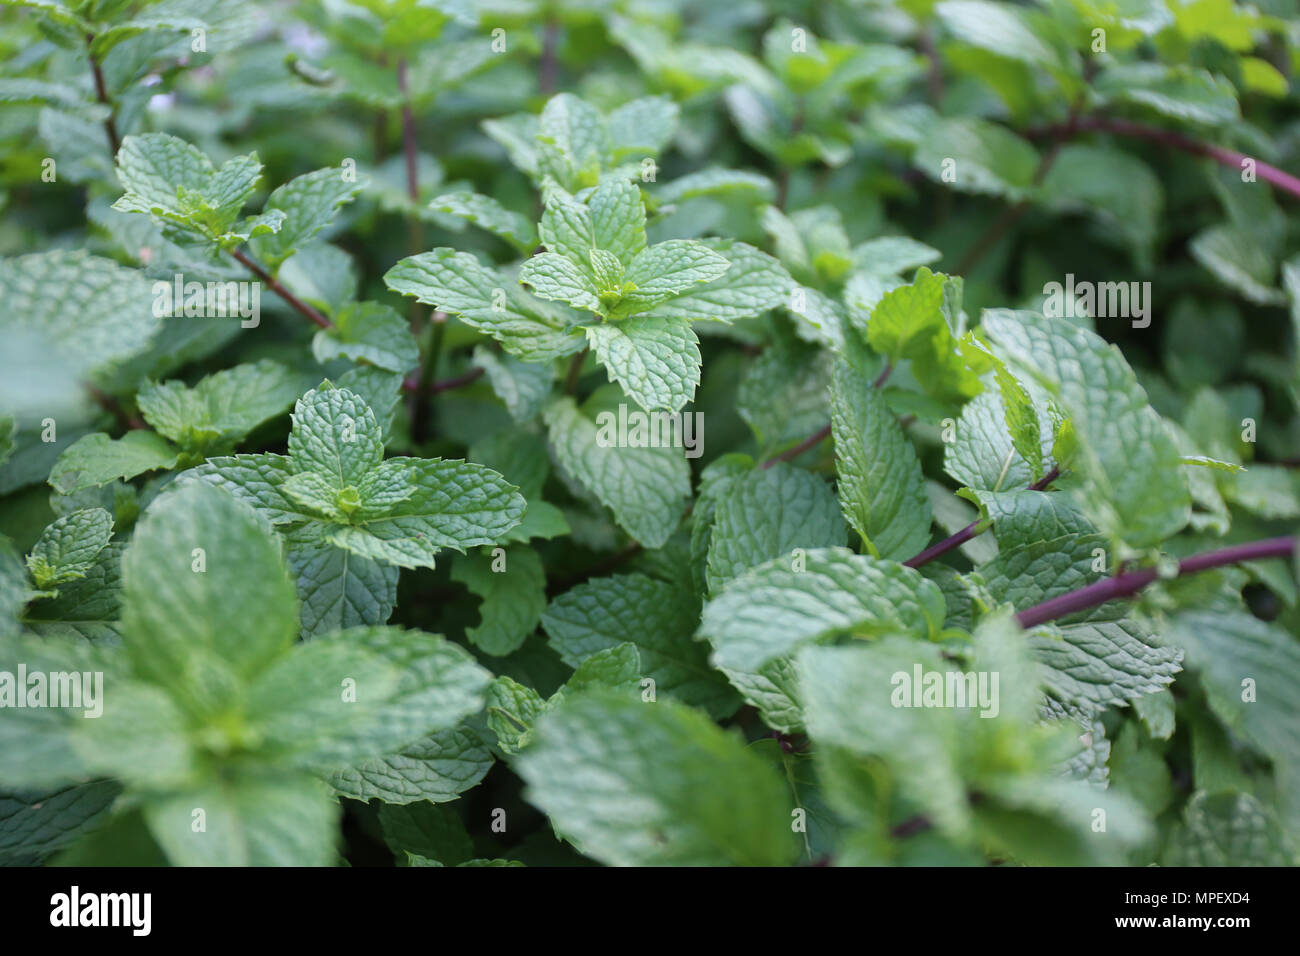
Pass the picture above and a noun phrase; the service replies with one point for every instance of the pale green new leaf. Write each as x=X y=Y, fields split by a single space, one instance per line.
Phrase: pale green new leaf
x=67 y=549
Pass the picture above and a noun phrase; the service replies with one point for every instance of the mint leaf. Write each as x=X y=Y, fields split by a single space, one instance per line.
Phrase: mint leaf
x=1133 y=488
x=458 y=283
x=645 y=488
x=309 y=204
x=95 y=460
x=67 y=549
x=436 y=768
x=513 y=588
x=772 y=609
x=195 y=548
x=881 y=487
x=273 y=820
x=703 y=798
x=222 y=408
x=653 y=615
x=655 y=360
x=371 y=333
x=766 y=514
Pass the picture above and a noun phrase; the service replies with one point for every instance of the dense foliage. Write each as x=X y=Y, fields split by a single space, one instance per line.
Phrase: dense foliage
x=570 y=431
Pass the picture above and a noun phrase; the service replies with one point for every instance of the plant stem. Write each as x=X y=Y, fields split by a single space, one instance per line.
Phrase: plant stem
x=1165 y=137
x=1011 y=214
x=101 y=92
x=413 y=383
x=420 y=408
x=114 y=407
x=548 y=65
x=575 y=372
x=1130 y=582
x=274 y=285
x=410 y=153
x=792 y=453
x=971 y=530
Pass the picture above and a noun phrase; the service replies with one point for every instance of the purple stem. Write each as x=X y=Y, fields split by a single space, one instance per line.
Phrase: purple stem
x=1130 y=582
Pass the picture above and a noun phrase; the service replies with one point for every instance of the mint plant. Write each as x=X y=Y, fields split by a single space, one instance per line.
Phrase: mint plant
x=549 y=434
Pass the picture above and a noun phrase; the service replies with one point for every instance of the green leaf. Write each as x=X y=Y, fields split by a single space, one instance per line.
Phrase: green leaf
x=453 y=504
x=35 y=825
x=657 y=617
x=436 y=768
x=512 y=712
x=906 y=319
x=976 y=156
x=427 y=830
x=774 y=608
x=268 y=820
x=1007 y=31
x=309 y=204
x=769 y=513
x=368 y=332
x=67 y=549
x=702 y=798
x=1236 y=257
x=753 y=283
x=662 y=271
x=486 y=213
x=1227 y=829
x=258 y=480
x=94 y=460
x=223 y=407
x=982 y=455
x=1132 y=486
x=87 y=608
x=458 y=283
x=193 y=550
x=109 y=38
x=1251 y=673
x=645 y=488
x=655 y=360
x=513 y=597
x=1119 y=190
x=335 y=434
x=361 y=692
x=553 y=276
x=522 y=386
x=338 y=589
x=175 y=182
x=1104 y=663
x=101 y=315
x=1175 y=92
x=892 y=255
x=1024 y=518
x=881 y=487
x=616 y=213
